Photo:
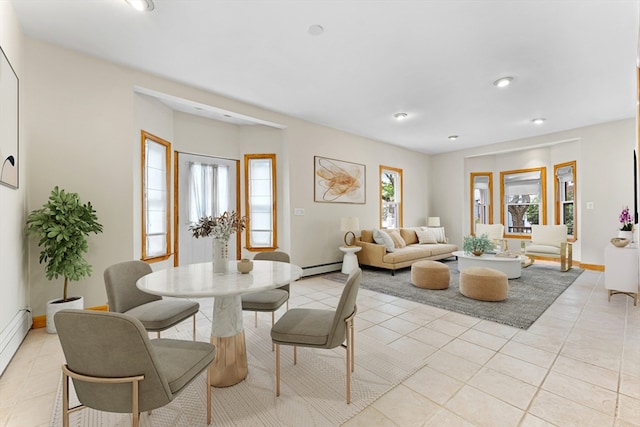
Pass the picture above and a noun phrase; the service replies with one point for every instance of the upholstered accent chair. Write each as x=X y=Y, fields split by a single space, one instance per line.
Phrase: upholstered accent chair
x=272 y=299
x=155 y=313
x=317 y=328
x=549 y=241
x=495 y=232
x=115 y=367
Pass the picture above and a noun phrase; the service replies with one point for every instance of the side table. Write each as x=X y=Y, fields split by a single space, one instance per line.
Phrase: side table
x=621 y=271
x=350 y=260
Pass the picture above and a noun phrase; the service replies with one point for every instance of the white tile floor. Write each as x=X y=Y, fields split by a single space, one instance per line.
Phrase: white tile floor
x=578 y=365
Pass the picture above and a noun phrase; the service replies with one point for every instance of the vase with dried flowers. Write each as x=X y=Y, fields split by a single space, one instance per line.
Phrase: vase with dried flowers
x=221 y=228
x=626 y=224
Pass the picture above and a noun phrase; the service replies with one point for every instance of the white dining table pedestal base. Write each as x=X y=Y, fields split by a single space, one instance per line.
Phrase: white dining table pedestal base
x=227 y=334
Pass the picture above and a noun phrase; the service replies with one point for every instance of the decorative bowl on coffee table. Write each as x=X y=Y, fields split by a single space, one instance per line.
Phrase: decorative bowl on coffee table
x=620 y=242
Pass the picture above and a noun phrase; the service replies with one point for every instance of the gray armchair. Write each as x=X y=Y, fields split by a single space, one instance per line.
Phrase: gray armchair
x=308 y=327
x=155 y=313
x=116 y=368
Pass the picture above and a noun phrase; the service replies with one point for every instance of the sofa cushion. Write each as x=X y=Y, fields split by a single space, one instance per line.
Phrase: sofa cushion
x=366 y=236
x=410 y=253
x=409 y=235
x=426 y=236
x=442 y=248
x=398 y=241
x=382 y=238
x=439 y=232
x=543 y=249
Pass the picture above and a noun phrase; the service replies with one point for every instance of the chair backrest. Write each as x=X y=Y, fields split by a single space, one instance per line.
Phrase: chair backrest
x=120 y=281
x=346 y=307
x=548 y=235
x=106 y=344
x=274 y=256
x=493 y=231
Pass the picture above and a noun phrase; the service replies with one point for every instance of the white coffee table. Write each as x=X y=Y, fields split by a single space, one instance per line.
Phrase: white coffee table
x=512 y=267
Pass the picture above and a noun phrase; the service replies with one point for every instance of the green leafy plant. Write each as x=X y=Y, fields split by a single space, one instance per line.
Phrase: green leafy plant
x=221 y=227
x=62 y=225
x=477 y=244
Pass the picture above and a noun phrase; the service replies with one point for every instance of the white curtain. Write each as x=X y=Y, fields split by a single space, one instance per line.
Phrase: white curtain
x=208 y=190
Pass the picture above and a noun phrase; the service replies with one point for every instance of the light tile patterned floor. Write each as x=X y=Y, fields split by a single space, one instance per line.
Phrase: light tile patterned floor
x=578 y=365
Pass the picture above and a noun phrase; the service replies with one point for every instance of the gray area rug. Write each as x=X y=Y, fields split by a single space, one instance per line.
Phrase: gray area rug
x=529 y=295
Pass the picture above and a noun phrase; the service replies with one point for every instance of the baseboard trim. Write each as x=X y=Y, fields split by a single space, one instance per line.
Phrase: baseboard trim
x=321 y=269
x=12 y=335
x=594 y=267
x=41 y=321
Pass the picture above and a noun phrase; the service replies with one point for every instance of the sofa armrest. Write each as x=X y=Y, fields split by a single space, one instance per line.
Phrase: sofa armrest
x=371 y=253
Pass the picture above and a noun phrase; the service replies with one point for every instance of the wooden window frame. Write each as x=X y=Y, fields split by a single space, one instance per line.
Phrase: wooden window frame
x=144 y=137
x=247 y=204
x=472 y=177
x=543 y=202
x=556 y=191
x=400 y=203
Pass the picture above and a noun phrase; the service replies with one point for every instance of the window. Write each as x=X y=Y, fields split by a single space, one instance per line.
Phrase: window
x=156 y=233
x=523 y=195
x=208 y=190
x=565 y=196
x=260 y=201
x=390 y=197
x=481 y=199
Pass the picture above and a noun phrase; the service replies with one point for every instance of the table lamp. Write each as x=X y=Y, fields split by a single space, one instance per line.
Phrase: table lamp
x=348 y=224
x=433 y=221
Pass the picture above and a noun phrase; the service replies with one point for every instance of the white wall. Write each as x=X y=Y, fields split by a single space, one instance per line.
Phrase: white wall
x=14 y=303
x=84 y=125
x=604 y=155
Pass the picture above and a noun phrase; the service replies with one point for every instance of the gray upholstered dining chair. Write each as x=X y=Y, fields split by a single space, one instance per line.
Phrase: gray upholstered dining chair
x=115 y=367
x=155 y=313
x=272 y=299
x=317 y=328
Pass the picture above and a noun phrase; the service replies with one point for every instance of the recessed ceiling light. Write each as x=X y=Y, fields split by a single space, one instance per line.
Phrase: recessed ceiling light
x=453 y=137
x=316 y=30
x=141 y=5
x=503 y=81
x=539 y=120
x=400 y=116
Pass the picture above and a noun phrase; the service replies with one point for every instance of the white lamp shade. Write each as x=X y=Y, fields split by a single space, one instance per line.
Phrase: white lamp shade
x=349 y=223
x=433 y=221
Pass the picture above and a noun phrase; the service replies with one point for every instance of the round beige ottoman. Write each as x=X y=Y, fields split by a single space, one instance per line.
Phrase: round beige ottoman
x=430 y=275
x=484 y=284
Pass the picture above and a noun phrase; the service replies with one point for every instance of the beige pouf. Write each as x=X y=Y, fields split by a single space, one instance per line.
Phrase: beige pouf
x=430 y=275
x=484 y=284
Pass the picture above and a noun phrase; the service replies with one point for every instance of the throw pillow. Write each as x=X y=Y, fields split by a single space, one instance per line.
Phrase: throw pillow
x=439 y=233
x=398 y=241
x=426 y=236
x=382 y=238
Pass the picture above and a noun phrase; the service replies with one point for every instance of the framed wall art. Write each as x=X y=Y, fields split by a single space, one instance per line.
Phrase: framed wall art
x=337 y=181
x=8 y=123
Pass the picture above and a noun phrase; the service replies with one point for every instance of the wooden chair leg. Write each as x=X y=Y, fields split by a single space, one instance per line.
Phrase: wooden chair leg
x=194 y=327
x=65 y=400
x=277 y=369
x=208 y=396
x=295 y=355
x=273 y=321
x=348 y=367
x=255 y=321
x=134 y=404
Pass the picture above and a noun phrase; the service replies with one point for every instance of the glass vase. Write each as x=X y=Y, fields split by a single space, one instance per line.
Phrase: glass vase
x=220 y=256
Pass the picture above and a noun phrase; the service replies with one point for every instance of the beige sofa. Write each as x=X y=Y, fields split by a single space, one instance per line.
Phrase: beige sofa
x=376 y=255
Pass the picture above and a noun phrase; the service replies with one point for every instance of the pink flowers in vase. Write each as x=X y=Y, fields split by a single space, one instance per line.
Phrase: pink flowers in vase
x=626 y=220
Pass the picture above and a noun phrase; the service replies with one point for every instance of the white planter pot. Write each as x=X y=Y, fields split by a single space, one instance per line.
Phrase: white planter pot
x=53 y=307
x=626 y=235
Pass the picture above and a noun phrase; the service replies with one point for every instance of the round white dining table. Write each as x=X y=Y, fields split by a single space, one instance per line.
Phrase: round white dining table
x=227 y=333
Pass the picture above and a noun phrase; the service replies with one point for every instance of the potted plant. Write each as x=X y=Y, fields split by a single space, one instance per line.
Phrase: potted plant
x=221 y=228
x=62 y=225
x=477 y=245
x=626 y=224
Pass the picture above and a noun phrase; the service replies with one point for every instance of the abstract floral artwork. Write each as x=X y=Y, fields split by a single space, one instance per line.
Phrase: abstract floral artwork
x=337 y=181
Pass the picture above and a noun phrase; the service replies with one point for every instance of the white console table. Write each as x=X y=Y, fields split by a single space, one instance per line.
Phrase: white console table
x=621 y=271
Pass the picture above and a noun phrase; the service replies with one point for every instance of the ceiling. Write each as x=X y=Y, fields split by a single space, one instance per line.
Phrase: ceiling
x=573 y=62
